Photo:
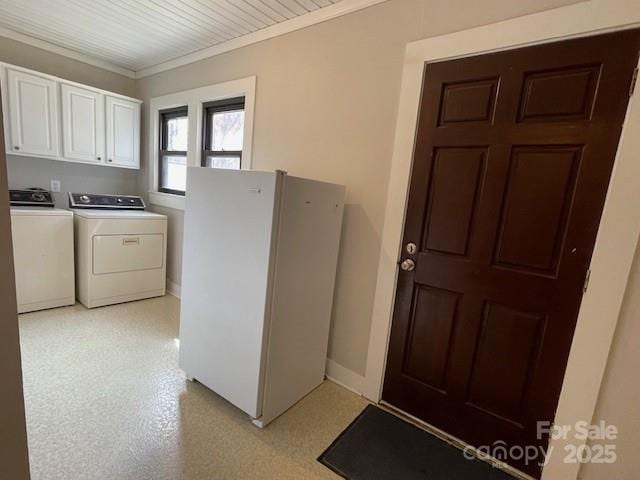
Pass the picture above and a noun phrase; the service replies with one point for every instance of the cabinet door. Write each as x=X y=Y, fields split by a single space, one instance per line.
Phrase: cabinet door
x=33 y=114
x=123 y=132
x=82 y=124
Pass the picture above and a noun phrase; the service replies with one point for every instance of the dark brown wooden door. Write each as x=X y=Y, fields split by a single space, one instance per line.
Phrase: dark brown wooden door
x=513 y=156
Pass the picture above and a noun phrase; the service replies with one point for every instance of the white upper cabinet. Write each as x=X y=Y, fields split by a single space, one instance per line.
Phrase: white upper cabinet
x=123 y=132
x=48 y=117
x=33 y=114
x=83 y=124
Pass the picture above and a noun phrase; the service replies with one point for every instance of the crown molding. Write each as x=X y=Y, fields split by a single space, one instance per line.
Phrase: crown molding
x=317 y=16
x=320 y=15
x=65 y=52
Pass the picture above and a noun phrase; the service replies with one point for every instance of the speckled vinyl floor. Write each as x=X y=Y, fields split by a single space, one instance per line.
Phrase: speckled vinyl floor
x=105 y=400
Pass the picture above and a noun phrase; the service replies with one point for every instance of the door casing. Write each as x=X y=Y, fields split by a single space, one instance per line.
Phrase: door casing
x=619 y=229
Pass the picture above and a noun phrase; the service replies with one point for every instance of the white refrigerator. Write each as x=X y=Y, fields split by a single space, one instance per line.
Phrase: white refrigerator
x=259 y=265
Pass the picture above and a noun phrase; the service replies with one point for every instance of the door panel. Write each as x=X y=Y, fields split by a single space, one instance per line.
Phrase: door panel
x=538 y=196
x=83 y=120
x=559 y=94
x=512 y=161
x=468 y=101
x=123 y=132
x=455 y=183
x=507 y=337
x=127 y=253
x=428 y=349
x=33 y=114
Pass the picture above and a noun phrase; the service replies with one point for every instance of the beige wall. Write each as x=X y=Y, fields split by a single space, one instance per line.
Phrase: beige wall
x=14 y=460
x=27 y=172
x=326 y=103
x=619 y=400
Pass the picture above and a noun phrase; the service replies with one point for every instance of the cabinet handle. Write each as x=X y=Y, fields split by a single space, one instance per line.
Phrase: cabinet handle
x=99 y=158
x=109 y=160
x=16 y=147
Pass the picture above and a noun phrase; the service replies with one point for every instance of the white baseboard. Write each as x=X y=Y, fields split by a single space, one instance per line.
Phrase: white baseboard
x=344 y=377
x=173 y=288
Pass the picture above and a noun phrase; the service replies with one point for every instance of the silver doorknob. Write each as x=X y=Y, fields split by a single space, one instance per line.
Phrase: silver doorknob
x=407 y=265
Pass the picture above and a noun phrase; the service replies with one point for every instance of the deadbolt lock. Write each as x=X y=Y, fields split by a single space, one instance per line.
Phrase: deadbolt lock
x=411 y=248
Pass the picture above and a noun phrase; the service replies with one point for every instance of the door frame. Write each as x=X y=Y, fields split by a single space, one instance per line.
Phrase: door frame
x=619 y=229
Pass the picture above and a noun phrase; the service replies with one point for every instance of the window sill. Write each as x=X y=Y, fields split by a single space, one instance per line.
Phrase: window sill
x=167 y=200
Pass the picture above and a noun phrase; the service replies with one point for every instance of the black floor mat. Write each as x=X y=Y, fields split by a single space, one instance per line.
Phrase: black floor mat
x=381 y=446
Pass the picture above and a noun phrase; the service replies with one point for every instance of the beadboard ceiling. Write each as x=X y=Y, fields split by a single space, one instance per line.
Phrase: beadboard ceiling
x=141 y=36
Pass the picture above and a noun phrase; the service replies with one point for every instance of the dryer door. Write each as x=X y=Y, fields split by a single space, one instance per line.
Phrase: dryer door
x=127 y=253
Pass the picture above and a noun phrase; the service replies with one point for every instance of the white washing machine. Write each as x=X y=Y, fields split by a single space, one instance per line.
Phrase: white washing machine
x=42 y=251
x=120 y=249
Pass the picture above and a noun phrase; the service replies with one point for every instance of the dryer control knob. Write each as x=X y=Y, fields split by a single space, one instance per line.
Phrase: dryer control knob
x=84 y=199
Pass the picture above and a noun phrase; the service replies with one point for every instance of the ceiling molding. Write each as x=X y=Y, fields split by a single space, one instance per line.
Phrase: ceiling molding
x=317 y=16
x=53 y=48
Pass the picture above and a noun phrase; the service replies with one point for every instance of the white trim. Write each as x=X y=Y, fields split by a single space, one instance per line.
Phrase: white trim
x=174 y=289
x=166 y=200
x=194 y=99
x=344 y=377
x=619 y=228
x=65 y=52
x=323 y=14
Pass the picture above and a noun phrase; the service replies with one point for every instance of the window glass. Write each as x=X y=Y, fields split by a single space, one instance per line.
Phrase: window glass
x=227 y=130
x=174 y=172
x=228 y=162
x=177 y=133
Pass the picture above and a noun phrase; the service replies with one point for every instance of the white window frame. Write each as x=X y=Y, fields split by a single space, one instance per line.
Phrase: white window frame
x=194 y=100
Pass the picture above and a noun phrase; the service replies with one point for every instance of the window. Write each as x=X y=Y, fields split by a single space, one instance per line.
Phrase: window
x=223 y=133
x=172 y=160
x=205 y=126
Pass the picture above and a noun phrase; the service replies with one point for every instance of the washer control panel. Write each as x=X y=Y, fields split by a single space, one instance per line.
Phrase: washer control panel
x=33 y=197
x=111 y=202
